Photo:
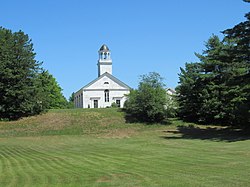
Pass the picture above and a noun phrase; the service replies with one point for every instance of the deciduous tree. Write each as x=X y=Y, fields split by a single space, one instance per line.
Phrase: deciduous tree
x=148 y=102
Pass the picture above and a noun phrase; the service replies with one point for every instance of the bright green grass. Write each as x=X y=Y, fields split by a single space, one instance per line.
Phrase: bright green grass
x=33 y=152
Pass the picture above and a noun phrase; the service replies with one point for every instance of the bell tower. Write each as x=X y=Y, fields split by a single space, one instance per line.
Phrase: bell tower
x=104 y=62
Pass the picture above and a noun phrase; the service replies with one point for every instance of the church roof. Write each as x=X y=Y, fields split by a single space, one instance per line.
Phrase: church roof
x=104 y=48
x=109 y=76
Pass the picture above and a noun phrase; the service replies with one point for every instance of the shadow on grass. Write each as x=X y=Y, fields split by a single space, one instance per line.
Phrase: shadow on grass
x=227 y=134
x=130 y=120
x=142 y=119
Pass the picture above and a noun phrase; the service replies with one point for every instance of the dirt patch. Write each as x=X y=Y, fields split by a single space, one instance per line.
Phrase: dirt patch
x=104 y=179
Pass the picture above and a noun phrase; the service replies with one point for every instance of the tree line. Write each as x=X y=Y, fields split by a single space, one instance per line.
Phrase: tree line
x=217 y=88
x=25 y=87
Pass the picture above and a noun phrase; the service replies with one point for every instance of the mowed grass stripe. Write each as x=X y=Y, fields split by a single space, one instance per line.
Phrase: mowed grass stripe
x=43 y=167
x=57 y=166
x=30 y=166
x=7 y=175
x=18 y=165
x=27 y=165
x=38 y=164
x=34 y=164
x=114 y=165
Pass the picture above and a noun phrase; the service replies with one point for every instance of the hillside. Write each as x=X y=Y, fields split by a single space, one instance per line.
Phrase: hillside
x=98 y=148
x=68 y=122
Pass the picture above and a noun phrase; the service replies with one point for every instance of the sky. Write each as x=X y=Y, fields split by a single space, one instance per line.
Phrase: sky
x=143 y=35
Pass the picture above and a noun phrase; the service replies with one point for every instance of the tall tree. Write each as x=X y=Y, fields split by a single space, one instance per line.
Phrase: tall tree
x=216 y=73
x=240 y=34
x=188 y=91
x=219 y=89
x=25 y=88
x=18 y=69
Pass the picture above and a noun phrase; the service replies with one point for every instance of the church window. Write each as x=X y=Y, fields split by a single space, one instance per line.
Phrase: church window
x=106 y=82
x=106 y=95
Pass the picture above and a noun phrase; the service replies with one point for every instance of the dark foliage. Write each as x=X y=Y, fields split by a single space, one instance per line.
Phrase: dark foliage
x=217 y=89
x=24 y=88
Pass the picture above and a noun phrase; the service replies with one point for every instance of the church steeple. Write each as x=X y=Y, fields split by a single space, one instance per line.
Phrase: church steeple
x=104 y=61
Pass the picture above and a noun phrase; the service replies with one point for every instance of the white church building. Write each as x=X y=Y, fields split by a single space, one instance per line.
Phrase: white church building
x=105 y=89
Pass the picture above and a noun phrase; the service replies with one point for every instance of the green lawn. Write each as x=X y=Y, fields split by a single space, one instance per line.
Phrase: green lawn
x=97 y=148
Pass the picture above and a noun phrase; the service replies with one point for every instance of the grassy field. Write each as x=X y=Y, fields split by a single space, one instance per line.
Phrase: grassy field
x=98 y=148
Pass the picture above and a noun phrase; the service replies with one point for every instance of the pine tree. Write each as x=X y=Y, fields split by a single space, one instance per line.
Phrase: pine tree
x=18 y=69
x=25 y=88
x=217 y=89
x=240 y=34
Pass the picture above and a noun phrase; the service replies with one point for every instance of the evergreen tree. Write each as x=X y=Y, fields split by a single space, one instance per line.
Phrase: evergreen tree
x=188 y=92
x=25 y=89
x=217 y=89
x=240 y=34
x=18 y=70
x=216 y=73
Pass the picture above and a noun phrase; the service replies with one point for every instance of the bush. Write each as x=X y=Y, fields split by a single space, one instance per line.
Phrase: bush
x=148 y=102
x=114 y=105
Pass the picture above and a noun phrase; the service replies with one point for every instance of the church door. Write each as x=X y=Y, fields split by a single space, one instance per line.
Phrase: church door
x=118 y=103
x=95 y=103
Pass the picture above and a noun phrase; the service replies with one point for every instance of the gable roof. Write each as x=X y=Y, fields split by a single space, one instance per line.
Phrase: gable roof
x=109 y=76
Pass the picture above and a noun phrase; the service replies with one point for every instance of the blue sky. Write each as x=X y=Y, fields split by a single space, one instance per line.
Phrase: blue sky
x=143 y=35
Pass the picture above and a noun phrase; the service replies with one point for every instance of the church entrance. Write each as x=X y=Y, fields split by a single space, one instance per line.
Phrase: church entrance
x=118 y=103
x=95 y=103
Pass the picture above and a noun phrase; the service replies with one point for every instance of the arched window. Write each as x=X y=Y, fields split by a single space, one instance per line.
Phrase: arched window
x=106 y=95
